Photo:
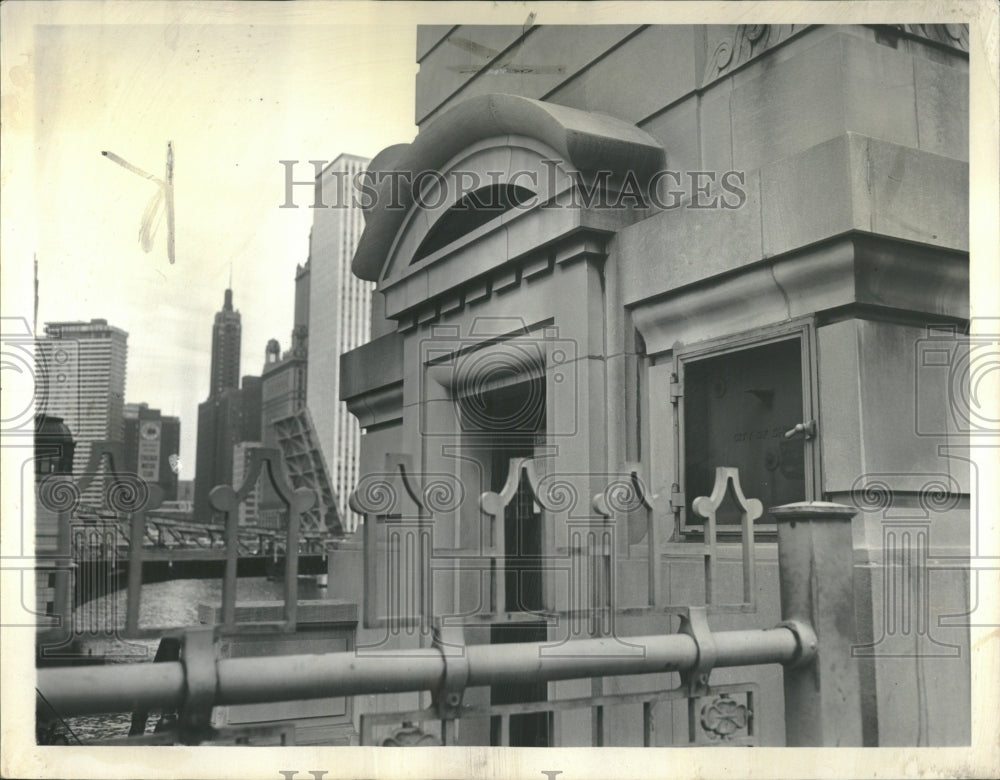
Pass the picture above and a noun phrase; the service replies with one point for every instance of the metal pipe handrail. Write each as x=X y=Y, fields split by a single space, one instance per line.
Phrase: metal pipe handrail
x=131 y=687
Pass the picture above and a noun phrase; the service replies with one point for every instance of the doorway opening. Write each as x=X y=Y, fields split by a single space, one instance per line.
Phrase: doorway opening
x=513 y=417
x=738 y=405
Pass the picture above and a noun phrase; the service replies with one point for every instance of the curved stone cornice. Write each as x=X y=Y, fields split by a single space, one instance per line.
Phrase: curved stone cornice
x=586 y=140
x=855 y=270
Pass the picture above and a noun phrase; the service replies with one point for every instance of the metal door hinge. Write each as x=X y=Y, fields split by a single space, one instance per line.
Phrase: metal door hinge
x=676 y=389
x=676 y=498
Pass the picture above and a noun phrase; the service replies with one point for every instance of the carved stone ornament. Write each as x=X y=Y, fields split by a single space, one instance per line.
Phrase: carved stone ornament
x=954 y=35
x=723 y=717
x=410 y=735
x=746 y=42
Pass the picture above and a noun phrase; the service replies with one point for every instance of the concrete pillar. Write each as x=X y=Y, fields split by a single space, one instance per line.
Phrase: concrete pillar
x=815 y=558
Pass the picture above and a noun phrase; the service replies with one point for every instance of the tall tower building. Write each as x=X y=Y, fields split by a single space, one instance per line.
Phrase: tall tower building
x=249 y=508
x=82 y=365
x=230 y=414
x=224 y=420
x=339 y=308
x=226 y=335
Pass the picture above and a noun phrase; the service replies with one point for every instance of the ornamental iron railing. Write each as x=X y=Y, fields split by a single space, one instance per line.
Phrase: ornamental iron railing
x=813 y=644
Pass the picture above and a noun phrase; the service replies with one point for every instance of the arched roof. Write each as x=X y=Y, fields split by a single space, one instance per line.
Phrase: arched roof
x=587 y=140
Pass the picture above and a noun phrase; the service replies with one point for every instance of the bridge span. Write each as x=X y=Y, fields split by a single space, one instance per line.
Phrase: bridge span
x=180 y=549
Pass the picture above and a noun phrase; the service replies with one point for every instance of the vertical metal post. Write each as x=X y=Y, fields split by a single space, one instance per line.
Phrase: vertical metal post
x=749 y=559
x=292 y=569
x=232 y=561
x=63 y=604
x=369 y=531
x=816 y=570
x=137 y=533
x=711 y=557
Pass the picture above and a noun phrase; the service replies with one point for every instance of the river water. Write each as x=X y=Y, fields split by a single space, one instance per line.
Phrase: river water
x=98 y=625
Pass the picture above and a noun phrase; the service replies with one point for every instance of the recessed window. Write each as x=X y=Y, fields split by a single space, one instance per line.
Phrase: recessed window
x=735 y=408
x=474 y=210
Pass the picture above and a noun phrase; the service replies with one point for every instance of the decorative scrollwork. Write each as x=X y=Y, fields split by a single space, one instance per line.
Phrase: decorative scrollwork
x=374 y=495
x=556 y=494
x=954 y=35
x=746 y=42
x=622 y=496
x=940 y=494
x=871 y=494
x=58 y=493
x=443 y=494
x=126 y=493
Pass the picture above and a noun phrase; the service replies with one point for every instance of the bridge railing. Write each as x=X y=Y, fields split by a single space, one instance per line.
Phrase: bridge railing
x=297 y=501
x=121 y=529
x=812 y=643
x=88 y=534
x=201 y=681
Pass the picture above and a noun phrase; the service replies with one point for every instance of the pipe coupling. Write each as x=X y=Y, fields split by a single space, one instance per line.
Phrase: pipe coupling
x=807 y=644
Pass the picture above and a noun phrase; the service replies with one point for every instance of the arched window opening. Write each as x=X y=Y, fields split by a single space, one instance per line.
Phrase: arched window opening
x=475 y=209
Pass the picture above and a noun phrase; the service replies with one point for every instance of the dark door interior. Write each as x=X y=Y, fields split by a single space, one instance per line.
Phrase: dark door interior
x=737 y=407
x=518 y=414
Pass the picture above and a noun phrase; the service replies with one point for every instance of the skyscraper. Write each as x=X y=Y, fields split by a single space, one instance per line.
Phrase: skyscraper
x=226 y=336
x=249 y=509
x=82 y=371
x=224 y=420
x=339 y=313
x=230 y=414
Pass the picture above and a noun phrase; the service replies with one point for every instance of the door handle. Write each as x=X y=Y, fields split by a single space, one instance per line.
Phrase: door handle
x=807 y=429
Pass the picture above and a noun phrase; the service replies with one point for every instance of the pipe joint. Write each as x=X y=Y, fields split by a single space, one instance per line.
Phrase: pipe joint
x=450 y=642
x=694 y=623
x=807 y=643
x=201 y=677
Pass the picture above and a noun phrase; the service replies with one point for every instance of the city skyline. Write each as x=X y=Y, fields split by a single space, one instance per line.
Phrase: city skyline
x=228 y=184
x=601 y=448
x=83 y=371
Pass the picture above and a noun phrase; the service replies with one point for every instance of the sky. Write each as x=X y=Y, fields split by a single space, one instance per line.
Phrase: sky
x=233 y=99
x=235 y=87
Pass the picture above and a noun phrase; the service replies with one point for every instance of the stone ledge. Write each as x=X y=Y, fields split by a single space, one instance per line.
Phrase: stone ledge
x=371 y=366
